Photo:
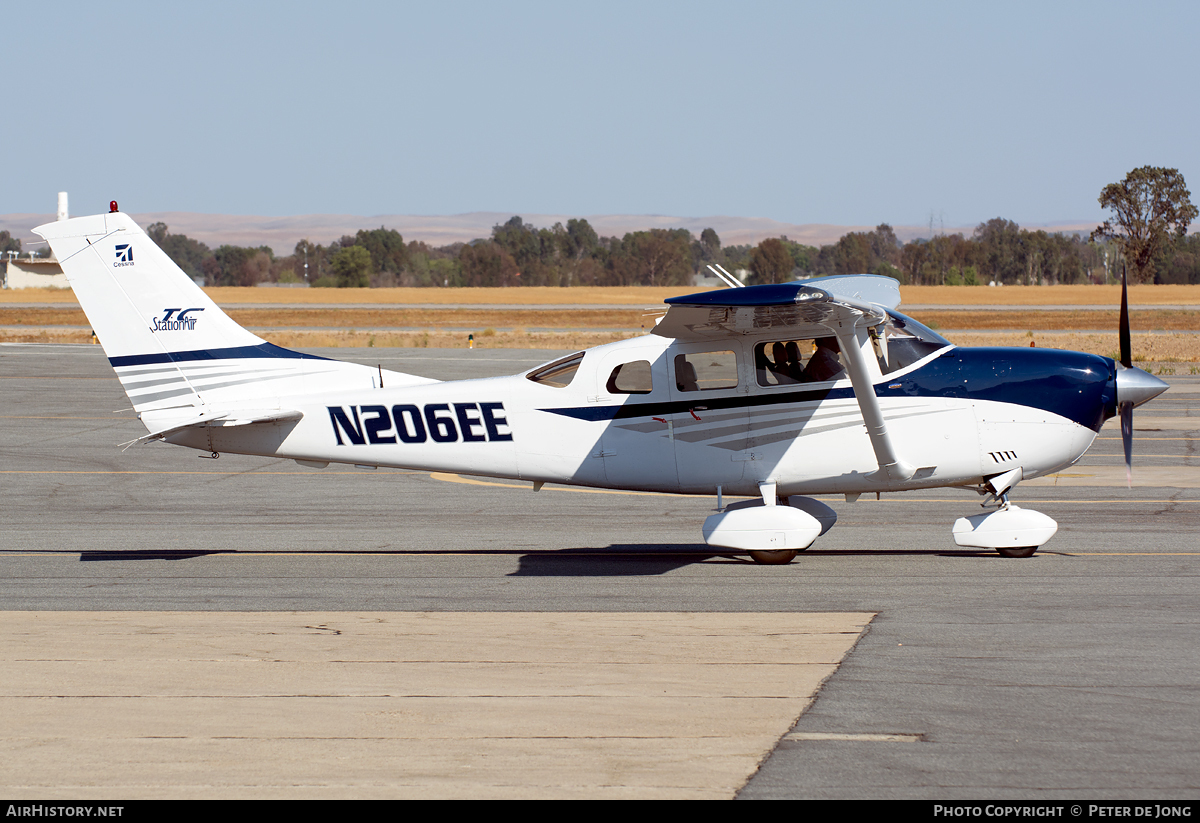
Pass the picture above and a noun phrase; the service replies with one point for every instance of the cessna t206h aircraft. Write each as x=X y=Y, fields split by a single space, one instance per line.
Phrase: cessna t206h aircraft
x=770 y=392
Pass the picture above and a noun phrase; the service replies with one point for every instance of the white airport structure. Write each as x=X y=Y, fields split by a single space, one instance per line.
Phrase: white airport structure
x=31 y=272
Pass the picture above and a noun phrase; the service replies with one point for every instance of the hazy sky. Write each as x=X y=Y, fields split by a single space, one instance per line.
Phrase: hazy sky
x=847 y=113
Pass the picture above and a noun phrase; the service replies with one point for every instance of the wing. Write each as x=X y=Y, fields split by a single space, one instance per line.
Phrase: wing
x=805 y=308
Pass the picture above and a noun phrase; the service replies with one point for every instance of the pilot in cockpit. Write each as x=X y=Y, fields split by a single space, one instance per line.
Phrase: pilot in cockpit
x=825 y=364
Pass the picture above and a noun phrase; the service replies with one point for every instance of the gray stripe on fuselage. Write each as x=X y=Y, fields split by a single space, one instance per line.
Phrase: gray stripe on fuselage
x=791 y=433
x=193 y=376
x=140 y=399
x=146 y=384
x=162 y=395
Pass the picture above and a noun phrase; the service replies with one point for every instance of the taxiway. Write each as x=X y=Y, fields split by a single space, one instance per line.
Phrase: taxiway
x=1073 y=674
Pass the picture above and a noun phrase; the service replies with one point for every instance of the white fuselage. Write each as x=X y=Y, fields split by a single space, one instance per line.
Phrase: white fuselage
x=807 y=438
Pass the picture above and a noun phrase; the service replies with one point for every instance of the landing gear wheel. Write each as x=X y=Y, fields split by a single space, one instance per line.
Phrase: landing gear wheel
x=777 y=557
x=1018 y=551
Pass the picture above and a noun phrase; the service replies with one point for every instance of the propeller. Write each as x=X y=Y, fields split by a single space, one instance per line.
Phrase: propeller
x=1126 y=408
x=1134 y=386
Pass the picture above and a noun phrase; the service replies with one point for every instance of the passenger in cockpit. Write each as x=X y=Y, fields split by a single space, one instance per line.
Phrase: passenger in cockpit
x=781 y=368
x=795 y=368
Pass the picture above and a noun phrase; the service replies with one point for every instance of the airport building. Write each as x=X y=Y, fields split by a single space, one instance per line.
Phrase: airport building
x=31 y=272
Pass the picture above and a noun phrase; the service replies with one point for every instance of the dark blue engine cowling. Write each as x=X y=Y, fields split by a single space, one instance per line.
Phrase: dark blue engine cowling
x=1080 y=387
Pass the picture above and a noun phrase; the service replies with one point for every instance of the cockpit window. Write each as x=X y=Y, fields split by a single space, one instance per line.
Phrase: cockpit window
x=907 y=325
x=559 y=373
x=904 y=341
x=787 y=362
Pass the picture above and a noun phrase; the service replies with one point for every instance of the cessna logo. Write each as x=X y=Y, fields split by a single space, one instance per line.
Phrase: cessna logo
x=124 y=255
x=174 y=322
x=407 y=423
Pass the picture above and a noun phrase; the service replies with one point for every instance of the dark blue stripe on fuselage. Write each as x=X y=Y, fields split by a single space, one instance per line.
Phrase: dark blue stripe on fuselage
x=266 y=350
x=1080 y=387
x=700 y=401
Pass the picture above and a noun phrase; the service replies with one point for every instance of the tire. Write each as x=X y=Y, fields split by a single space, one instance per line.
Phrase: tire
x=778 y=557
x=1018 y=551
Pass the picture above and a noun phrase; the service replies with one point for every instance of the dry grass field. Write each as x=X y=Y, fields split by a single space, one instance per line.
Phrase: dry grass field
x=1141 y=320
x=1049 y=295
x=1151 y=348
x=513 y=318
x=477 y=319
x=532 y=296
x=378 y=318
x=1147 y=348
x=647 y=296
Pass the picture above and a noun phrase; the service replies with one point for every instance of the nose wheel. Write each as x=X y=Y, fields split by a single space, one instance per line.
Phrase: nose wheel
x=1010 y=530
x=1023 y=551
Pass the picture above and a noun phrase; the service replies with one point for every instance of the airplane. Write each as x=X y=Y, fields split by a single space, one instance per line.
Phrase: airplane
x=717 y=399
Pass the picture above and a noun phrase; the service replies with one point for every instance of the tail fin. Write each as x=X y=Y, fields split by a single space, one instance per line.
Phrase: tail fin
x=140 y=304
x=173 y=348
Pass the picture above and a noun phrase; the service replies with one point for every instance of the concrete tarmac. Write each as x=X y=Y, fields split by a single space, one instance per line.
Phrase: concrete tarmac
x=1071 y=675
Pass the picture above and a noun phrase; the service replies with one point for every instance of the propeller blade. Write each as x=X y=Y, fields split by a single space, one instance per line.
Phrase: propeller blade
x=1127 y=440
x=1127 y=362
x=1134 y=386
x=1126 y=348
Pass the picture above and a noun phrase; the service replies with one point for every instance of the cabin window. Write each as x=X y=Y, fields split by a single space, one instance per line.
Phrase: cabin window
x=790 y=362
x=631 y=378
x=705 y=371
x=558 y=374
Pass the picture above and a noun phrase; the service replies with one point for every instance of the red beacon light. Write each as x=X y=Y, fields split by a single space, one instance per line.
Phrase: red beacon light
x=112 y=207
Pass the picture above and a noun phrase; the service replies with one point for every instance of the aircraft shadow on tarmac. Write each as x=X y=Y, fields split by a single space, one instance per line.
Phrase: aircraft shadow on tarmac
x=152 y=554
x=649 y=559
x=615 y=560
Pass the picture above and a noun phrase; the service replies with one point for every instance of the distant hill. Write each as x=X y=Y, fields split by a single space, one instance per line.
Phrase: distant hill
x=282 y=233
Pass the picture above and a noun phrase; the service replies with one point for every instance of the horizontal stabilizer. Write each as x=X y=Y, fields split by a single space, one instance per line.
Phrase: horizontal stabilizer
x=240 y=417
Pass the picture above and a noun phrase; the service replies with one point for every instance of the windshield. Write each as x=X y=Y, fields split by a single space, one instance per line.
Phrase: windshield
x=904 y=342
x=907 y=325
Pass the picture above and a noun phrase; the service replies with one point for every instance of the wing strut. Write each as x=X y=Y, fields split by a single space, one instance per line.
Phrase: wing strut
x=890 y=465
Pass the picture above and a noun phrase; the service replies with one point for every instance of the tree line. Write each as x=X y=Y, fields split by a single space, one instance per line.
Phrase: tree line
x=519 y=254
x=1147 y=235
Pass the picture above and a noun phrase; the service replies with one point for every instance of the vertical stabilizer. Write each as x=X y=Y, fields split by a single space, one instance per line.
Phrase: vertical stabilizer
x=140 y=304
x=176 y=353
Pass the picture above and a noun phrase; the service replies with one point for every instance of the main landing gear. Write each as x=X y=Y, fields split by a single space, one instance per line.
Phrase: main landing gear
x=773 y=531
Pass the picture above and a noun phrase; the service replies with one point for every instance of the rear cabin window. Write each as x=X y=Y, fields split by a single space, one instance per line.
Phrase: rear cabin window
x=559 y=373
x=705 y=371
x=789 y=362
x=631 y=378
